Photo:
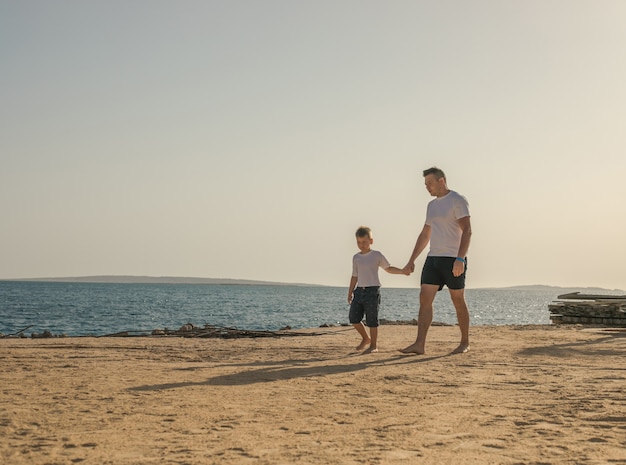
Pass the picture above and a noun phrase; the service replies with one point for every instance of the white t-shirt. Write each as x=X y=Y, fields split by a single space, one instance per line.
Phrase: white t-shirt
x=442 y=215
x=365 y=267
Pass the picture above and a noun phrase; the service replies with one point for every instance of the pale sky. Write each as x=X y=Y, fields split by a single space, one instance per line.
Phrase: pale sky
x=249 y=139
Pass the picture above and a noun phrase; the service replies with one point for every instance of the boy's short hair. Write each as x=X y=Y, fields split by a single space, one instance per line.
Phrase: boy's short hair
x=436 y=171
x=363 y=231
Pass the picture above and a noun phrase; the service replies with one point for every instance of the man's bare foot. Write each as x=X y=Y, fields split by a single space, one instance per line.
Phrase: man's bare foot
x=463 y=348
x=364 y=343
x=412 y=349
x=370 y=350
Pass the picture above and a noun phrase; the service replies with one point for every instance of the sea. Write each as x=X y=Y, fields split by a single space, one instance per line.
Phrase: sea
x=99 y=309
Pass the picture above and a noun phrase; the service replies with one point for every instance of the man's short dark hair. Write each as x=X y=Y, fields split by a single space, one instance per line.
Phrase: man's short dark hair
x=436 y=171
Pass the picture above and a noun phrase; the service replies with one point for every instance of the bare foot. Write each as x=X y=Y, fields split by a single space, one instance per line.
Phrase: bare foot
x=463 y=348
x=364 y=343
x=412 y=349
x=371 y=350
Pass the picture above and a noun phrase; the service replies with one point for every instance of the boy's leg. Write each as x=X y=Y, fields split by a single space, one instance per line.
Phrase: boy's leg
x=374 y=337
x=374 y=341
x=372 y=304
x=365 y=339
x=424 y=319
x=355 y=316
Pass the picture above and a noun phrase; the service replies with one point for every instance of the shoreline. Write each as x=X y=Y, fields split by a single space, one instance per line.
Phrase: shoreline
x=523 y=394
x=190 y=331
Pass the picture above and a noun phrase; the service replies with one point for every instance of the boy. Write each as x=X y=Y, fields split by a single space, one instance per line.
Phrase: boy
x=365 y=299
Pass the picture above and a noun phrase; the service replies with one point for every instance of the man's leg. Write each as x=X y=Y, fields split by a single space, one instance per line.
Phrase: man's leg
x=463 y=317
x=424 y=319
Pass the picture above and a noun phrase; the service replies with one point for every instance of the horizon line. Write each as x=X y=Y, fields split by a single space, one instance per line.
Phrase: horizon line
x=145 y=279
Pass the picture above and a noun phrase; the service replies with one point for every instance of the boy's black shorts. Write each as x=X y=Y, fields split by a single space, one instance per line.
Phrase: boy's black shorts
x=438 y=271
x=365 y=302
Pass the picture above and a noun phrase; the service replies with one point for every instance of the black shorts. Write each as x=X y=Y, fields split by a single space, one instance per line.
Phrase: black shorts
x=365 y=302
x=438 y=272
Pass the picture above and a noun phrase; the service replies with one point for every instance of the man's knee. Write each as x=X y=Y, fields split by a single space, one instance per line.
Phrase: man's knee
x=458 y=298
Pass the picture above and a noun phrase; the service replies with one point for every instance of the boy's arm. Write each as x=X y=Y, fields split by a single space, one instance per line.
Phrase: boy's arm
x=353 y=281
x=396 y=270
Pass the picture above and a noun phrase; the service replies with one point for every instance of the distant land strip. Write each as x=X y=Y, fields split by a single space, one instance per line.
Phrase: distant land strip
x=122 y=279
x=159 y=280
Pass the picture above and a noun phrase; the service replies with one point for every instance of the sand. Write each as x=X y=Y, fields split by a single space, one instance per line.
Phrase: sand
x=522 y=395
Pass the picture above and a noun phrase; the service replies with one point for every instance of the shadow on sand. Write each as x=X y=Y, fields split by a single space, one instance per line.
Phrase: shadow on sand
x=288 y=369
x=613 y=343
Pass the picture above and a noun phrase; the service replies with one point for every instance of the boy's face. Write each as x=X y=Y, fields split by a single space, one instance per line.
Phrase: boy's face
x=364 y=243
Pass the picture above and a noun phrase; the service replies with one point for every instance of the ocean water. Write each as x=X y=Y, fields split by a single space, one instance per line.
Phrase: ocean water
x=81 y=309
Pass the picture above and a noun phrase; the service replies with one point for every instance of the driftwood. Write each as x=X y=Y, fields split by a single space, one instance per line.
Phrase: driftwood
x=129 y=333
x=17 y=333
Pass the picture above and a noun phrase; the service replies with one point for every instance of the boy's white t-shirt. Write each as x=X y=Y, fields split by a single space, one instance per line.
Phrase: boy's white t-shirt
x=365 y=267
x=442 y=214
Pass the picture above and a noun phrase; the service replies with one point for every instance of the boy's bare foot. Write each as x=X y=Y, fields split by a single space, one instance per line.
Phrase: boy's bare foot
x=412 y=349
x=364 y=343
x=463 y=348
x=370 y=350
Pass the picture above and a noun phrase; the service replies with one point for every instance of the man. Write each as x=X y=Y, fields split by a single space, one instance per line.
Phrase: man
x=448 y=230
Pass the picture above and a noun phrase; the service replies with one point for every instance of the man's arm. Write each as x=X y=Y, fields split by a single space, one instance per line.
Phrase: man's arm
x=422 y=241
x=466 y=227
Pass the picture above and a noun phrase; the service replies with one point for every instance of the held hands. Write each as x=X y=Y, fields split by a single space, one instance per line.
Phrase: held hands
x=408 y=269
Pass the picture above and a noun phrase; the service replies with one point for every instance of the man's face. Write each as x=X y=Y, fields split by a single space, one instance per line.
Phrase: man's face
x=434 y=186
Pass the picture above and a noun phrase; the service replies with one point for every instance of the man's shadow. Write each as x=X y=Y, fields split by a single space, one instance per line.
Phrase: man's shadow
x=286 y=370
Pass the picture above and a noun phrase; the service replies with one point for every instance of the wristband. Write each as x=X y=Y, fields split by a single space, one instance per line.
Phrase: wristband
x=460 y=259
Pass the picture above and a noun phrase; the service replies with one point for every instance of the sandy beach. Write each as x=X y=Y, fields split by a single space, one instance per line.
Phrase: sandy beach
x=522 y=395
